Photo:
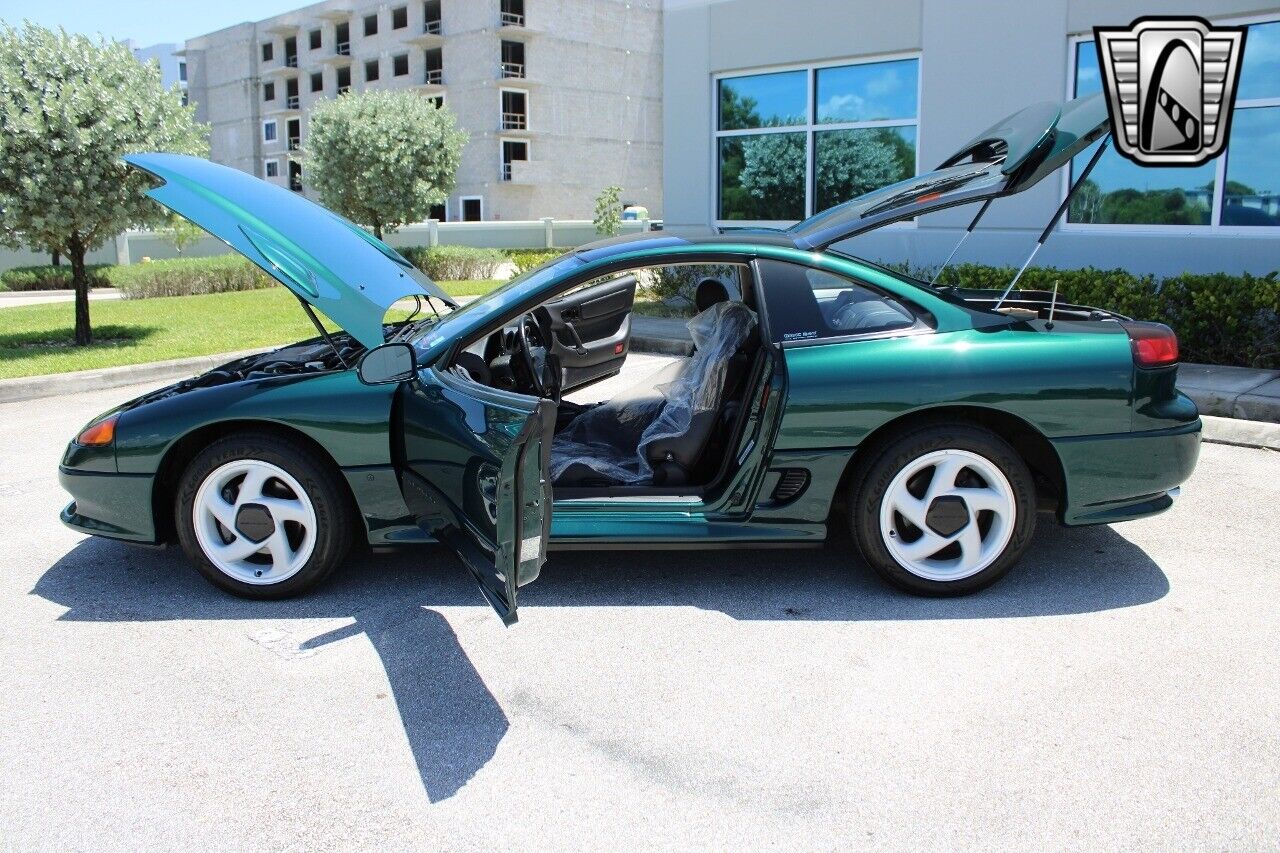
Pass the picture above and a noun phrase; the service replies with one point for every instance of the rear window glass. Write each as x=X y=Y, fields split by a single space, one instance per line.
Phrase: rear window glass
x=806 y=303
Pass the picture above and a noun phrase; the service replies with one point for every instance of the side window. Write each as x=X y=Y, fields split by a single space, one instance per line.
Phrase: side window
x=806 y=303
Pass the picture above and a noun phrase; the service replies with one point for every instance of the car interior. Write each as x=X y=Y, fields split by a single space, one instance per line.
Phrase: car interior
x=675 y=431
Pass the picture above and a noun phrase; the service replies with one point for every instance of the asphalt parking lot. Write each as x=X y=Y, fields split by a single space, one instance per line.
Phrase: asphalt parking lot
x=1120 y=689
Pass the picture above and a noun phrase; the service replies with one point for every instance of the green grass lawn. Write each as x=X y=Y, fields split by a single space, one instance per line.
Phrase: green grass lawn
x=37 y=339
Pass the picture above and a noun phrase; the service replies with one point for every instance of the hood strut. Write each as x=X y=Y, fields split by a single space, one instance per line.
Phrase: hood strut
x=306 y=306
x=1057 y=214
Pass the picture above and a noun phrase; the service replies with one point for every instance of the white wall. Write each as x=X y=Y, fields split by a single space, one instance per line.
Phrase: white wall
x=980 y=60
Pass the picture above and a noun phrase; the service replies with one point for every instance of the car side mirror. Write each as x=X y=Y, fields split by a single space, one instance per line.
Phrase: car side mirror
x=386 y=364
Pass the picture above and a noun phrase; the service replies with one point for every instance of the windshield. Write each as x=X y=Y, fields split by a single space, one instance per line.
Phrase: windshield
x=480 y=311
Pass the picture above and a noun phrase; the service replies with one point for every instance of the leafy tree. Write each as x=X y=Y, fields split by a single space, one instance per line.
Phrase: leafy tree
x=608 y=218
x=847 y=164
x=383 y=158
x=70 y=106
x=182 y=232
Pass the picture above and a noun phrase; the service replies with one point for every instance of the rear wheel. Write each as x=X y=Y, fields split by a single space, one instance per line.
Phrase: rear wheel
x=944 y=510
x=261 y=516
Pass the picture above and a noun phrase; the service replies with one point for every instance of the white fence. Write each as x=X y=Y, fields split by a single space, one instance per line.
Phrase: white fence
x=132 y=246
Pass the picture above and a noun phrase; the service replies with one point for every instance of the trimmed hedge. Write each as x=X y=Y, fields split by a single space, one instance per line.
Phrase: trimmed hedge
x=455 y=263
x=527 y=259
x=187 y=277
x=48 y=277
x=1220 y=319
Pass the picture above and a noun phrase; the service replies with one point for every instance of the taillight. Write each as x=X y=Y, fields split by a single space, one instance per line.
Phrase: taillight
x=99 y=433
x=1154 y=344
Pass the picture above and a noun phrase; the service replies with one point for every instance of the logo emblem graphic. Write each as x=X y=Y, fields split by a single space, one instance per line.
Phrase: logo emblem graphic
x=1171 y=84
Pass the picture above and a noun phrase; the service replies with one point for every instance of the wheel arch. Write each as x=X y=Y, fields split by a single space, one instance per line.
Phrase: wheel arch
x=182 y=451
x=1032 y=445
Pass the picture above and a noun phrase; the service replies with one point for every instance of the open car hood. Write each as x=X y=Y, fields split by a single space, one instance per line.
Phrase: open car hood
x=330 y=263
x=1012 y=155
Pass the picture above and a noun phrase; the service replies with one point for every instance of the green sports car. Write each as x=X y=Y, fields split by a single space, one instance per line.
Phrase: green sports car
x=822 y=390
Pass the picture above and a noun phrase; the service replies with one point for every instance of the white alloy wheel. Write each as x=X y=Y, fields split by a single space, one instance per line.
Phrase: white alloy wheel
x=947 y=515
x=254 y=522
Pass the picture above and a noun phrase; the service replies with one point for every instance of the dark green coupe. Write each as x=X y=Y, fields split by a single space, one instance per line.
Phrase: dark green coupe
x=823 y=390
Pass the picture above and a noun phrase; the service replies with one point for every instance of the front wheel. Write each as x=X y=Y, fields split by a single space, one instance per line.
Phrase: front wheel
x=261 y=516
x=944 y=510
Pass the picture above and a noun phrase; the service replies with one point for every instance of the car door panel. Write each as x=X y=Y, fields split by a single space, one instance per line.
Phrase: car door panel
x=592 y=328
x=474 y=465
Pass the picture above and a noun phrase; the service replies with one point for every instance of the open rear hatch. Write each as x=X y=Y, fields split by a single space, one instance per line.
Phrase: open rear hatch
x=1012 y=155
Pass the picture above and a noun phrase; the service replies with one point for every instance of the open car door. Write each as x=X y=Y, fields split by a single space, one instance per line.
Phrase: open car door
x=592 y=329
x=474 y=467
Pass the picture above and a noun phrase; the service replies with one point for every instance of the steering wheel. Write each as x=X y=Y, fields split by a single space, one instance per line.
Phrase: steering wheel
x=543 y=367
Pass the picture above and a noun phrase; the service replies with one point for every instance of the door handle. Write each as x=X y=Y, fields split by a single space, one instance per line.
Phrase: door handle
x=578 y=346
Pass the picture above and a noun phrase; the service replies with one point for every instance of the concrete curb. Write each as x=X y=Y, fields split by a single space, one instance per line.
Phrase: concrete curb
x=24 y=294
x=1241 y=433
x=55 y=384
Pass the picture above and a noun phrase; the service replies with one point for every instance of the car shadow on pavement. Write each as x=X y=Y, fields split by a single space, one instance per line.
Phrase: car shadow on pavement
x=452 y=721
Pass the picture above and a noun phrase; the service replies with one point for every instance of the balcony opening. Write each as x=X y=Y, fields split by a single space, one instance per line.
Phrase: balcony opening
x=370 y=70
x=315 y=39
x=344 y=79
x=435 y=66
x=513 y=60
x=295 y=176
x=473 y=209
x=293 y=129
x=400 y=64
x=291 y=100
x=512 y=14
x=513 y=150
x=431 y=17
x=399 y=17
x=371 y=24
x=436 y=101
x=291 y=52
x=342 y=39
x=515 y=110
x=317 y=81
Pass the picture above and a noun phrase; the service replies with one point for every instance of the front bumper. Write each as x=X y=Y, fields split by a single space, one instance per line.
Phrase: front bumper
x=109 y=504
x=1126 y=475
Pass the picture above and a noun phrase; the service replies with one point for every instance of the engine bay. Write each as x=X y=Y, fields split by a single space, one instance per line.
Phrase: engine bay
x=310 y=356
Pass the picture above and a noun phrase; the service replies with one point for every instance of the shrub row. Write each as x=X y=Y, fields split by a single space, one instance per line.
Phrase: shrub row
x=187 y=276
x=527 y=259
x=455 y=263
x=1220 y=319
x=49 y=277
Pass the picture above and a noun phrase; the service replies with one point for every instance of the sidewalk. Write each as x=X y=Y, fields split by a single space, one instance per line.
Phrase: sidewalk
x=14 y=298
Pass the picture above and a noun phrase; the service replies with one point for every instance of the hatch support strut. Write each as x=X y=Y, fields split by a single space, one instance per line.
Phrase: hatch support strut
x=315 y=321
x=1057 y=214
x=963 y=237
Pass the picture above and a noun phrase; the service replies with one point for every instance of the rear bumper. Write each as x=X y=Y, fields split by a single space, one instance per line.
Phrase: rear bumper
x=108 y=504
x=1126 y=475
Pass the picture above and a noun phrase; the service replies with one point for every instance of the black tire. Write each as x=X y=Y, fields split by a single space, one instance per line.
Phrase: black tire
x=876 y=474
x=318 y=478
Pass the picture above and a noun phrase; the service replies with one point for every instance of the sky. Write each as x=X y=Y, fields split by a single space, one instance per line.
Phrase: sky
x=147 y=21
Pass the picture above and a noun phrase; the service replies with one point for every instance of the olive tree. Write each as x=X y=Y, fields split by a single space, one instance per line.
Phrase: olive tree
x=383 y=158
x=70 y=106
